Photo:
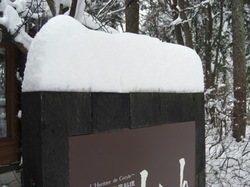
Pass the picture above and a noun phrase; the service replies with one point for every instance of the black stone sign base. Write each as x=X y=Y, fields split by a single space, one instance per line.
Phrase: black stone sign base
x=49 y=118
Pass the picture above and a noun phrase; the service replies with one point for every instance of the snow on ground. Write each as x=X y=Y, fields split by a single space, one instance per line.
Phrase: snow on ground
x=228 y=161
x=66 y=56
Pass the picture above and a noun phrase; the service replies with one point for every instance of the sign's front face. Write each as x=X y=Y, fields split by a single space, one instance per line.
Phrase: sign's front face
x=160 y=156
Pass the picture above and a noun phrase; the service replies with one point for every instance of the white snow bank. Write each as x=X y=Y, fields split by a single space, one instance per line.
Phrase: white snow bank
x=66 y=56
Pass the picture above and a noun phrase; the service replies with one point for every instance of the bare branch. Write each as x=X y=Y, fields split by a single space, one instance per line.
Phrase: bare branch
x=51 y=4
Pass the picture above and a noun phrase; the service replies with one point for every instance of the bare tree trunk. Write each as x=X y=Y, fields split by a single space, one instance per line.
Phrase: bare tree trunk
x=132 y=16
x=239 y=63
x=177 y=28
x=218 y=44
x=186 y=28
x=208 y=48
x=73 y=8
x=209 y=75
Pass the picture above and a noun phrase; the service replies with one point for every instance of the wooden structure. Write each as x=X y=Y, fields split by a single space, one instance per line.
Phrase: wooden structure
x=10 y=151
x=50 y=118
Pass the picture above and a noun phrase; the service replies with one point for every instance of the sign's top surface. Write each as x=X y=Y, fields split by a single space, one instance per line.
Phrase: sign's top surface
x=66 y=56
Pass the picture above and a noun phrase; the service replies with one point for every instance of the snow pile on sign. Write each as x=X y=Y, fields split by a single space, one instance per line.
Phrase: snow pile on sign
x=66 y=56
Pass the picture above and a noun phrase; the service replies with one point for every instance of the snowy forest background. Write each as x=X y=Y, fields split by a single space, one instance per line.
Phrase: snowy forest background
x=204 y=25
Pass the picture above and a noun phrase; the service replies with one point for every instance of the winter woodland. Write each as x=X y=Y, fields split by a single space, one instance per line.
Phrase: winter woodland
x=217 y=30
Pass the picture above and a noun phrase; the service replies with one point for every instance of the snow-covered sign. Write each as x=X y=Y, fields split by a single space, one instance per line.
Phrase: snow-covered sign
x=66 y=56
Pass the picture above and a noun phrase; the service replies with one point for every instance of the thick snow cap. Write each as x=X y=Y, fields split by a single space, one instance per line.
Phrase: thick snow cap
x=66 y=56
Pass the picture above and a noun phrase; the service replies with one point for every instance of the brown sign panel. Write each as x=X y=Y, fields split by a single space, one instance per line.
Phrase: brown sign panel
x=160 y=156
